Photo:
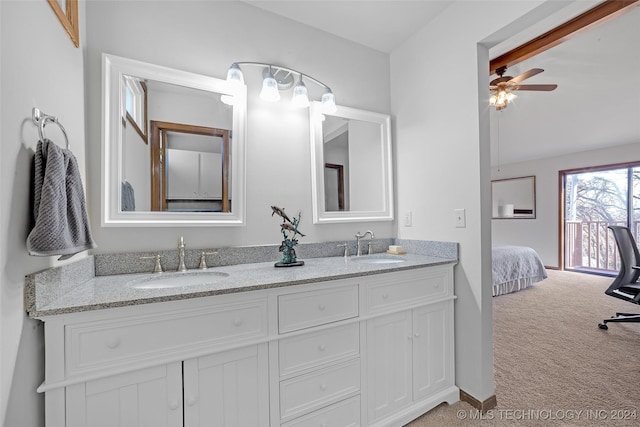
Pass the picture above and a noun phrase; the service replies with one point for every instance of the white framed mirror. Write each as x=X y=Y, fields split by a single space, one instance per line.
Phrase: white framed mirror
x=351 y=165
x=189 y=168
x=514 y=198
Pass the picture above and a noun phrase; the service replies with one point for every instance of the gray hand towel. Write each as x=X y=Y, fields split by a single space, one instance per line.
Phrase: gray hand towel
x=128 y=202
x=59 y=209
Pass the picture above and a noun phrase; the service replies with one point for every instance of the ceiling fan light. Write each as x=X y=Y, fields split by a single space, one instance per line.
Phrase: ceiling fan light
x=269 y=90
x=493 y=100
x=511 y=96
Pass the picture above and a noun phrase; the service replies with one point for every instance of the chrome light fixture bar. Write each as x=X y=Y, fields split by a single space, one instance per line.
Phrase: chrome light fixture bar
x=271 y=87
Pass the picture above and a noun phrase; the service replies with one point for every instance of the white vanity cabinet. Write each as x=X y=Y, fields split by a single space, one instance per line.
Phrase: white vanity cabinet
x=410 y=349
x=370 y=350
x=197 y=362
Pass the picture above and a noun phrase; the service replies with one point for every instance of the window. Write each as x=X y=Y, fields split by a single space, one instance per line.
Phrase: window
x=136 y=105
x=593 y=199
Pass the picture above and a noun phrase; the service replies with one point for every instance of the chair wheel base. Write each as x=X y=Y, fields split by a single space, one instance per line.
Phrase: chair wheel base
x=603 y=326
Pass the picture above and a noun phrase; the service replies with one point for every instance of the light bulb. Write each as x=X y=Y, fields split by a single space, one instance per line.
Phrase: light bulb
x=226 y=99
x=269 y=90
x=329 y=102
x=300 y=97
x=235 y=74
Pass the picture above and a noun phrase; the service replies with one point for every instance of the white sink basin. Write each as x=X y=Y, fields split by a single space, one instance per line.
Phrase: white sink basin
x=377 y=260
x=178 y=280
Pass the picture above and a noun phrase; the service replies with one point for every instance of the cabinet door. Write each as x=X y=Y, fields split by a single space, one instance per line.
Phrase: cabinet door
x=211 y=175
x=432 y=349
x=146 y=398
x=183 y=174
x=388 y=364
x=227 y=389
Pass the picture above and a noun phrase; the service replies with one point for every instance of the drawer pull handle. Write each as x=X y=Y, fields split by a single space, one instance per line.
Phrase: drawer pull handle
x=237 y=322
x=173 y=405
x=322 y=347
x=191 y=401
x=113 y=342
x=323 y=387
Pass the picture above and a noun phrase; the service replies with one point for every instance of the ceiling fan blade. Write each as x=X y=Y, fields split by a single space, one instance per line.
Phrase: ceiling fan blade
x=543 y=88
x=530 y=73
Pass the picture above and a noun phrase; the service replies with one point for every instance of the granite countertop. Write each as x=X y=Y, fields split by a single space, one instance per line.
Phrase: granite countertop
x=100 y=292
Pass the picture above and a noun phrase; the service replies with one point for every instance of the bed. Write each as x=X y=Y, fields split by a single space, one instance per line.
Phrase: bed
x=515 y=268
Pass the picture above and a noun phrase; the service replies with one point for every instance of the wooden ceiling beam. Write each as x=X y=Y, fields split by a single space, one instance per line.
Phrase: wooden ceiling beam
x=597 y=15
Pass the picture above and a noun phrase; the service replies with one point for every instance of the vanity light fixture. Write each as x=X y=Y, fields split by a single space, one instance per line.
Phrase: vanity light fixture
x=276 y=78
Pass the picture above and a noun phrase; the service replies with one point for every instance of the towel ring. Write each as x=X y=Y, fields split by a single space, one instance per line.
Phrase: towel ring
x=41 y=119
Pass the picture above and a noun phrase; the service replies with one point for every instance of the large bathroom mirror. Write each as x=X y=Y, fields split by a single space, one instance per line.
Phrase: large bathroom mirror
x=188 y=168
x=351 y=165
x=514 y=198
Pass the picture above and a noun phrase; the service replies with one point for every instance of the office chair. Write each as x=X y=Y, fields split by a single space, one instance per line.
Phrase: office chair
x=625 y=286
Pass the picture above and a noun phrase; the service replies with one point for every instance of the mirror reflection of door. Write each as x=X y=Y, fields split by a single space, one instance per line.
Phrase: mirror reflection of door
x=333 y=187
x=336 y=157
x=189 y=168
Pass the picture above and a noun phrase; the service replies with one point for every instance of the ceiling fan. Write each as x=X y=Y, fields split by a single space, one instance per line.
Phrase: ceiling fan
x=502 y=87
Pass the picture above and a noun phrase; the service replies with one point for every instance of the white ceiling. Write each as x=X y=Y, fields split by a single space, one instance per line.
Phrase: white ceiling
x=379 y=24
x=596 y=104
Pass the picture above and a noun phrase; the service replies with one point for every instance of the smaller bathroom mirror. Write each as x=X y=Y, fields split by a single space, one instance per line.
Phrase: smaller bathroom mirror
x=350 y=165
x=514 y=198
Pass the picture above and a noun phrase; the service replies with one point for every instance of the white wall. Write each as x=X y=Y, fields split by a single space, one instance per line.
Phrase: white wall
x=40 y=68
x=442 y=148
x=206 y=37
x=542 y=233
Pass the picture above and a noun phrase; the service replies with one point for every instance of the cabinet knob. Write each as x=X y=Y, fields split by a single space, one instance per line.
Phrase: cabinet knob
x=237 y=322
x=322 y=347
x=173 y=405
x=113 y=342
x=416 y=335
x=323 y=387
x=322 y=307
x=191 y=401
x=385 y=296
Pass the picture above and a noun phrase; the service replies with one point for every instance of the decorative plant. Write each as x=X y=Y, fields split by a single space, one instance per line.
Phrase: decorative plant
x=289 y=229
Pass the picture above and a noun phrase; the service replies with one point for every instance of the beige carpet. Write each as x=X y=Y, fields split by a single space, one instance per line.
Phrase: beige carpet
x=553 y=365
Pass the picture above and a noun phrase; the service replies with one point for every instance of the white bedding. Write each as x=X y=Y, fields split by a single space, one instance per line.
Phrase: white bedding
x=515 y=268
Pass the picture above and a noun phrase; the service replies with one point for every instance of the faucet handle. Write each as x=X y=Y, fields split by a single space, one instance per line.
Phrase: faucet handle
x=203 y=260
x=346 y=249
x=371 y=245
x=158 y=267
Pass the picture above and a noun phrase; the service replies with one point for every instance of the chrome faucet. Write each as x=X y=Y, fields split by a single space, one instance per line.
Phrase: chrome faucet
x=360 y=236
x=181 y=246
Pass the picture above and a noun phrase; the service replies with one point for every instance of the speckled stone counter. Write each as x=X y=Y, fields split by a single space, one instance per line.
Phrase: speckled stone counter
x=76 y=287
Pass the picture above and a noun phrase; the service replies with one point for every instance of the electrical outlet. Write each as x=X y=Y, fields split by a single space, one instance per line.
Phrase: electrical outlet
x=408 y=222
x=459 y=217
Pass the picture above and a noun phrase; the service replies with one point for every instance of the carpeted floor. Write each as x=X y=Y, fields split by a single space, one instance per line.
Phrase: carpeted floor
x=553 y=365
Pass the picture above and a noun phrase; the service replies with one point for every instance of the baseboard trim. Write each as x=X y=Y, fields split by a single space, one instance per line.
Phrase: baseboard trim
x=482 y=405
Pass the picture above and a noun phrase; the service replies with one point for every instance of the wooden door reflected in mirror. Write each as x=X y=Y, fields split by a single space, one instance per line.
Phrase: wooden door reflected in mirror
x=189 y=168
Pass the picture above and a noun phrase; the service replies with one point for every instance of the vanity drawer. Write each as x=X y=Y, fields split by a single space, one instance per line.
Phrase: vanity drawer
x=307 y=309
x=313 y=349
x=96 y=345
x=341 y=414
x=306 y=393
x=410 y=289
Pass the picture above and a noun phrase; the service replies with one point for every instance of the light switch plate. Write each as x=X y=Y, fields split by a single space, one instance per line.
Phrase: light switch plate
x=459 y=218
